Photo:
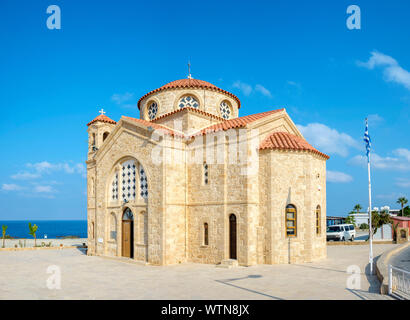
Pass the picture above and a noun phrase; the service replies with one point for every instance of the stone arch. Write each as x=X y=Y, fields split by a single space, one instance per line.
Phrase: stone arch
x=185 y=93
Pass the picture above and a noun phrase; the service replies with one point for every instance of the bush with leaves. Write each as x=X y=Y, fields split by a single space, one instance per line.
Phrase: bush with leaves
x=364 y=226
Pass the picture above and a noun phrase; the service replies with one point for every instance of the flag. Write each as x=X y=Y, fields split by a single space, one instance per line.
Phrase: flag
x=367 y=140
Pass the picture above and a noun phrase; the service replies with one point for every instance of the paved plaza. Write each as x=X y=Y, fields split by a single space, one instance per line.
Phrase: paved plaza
x=23 y=275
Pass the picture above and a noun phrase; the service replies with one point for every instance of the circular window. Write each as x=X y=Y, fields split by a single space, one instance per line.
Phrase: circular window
x=225 y=110
x=152 y=110
x=188 y=101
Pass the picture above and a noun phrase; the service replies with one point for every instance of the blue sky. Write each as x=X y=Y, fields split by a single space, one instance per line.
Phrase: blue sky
x=272 y=54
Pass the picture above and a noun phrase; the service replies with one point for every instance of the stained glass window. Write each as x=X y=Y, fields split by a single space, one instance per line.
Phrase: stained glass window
x=225 y=109
x=143 y=183
x=188 y=101
x=127 y=215
x=152 y=110
x=128 y=174
x=114 y=188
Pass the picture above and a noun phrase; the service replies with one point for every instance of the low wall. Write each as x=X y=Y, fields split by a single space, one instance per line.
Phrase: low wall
x=358 y=243
x=382 y=267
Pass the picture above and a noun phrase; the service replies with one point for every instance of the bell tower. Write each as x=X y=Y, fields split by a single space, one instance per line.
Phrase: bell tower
x=98 y=131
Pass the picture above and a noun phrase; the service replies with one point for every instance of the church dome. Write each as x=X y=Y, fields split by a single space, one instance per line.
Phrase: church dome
x=189 y=83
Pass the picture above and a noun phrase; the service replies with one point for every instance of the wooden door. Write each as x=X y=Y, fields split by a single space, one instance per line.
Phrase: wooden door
x=232 y=237
x=127 y=240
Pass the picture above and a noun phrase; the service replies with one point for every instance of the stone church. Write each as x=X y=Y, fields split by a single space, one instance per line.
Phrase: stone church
x=192 y=181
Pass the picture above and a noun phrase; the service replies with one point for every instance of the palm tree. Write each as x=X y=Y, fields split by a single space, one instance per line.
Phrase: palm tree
x=33 y=230
x=402 y=201
x=357 y=207
x=4 y=233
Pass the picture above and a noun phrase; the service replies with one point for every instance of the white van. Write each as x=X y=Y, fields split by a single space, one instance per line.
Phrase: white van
x=341 y=232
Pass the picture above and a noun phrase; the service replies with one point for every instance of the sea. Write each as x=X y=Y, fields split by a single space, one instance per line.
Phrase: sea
x=50 y=229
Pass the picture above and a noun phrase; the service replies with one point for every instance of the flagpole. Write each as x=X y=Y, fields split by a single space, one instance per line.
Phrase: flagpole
x=370 y=205
x=370 y=219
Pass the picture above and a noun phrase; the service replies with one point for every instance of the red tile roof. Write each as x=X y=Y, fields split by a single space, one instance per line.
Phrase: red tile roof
x=102 y=118
x=191 y=109
x=189 y=83
x=287 y=141
x=155 y=126
x=236 y=122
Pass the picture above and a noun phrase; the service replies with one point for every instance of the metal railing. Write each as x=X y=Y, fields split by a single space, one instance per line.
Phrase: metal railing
x=399 y=283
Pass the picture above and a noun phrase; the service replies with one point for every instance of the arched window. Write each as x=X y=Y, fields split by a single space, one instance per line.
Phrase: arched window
x=127 y=215
x=206 y=234
x=206 y=173
x=291 y=221
x=152 y=110
x=225 y=109
x=188 y=101
x=113 y=227
x=318 y=220
x=105 y=135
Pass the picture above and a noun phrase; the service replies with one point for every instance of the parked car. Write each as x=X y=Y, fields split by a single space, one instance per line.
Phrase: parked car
x=341 y=232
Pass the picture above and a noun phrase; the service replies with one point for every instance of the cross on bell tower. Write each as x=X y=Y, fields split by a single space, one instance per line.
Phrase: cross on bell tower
x=102 y=111
x=189 y=70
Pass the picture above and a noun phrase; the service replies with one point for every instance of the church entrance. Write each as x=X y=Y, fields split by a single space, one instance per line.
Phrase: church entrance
x=232 y=237
x=128 y=234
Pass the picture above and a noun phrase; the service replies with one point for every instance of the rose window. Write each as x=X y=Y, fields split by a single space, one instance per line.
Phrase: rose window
x=152 y=110
x=225 y=110
x=188 y=101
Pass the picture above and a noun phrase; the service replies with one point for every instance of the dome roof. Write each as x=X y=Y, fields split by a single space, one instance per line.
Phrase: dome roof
x=189 y=83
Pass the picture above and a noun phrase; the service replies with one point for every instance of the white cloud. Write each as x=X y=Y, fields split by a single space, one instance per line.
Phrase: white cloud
x=11 y=187
x=328 y=140
x=263 y=90
x=392 y=71
x=389 y=196
x=401 y=152
x=338 y=177
x=247 y=89
x=244 y=87
x=401 y=161
x=44 y=189
x=46 y=167
x=374 y=119
x=124 y=100
x=25 y=176
x=294 y=84
x=403 y=182
x=121 y=98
